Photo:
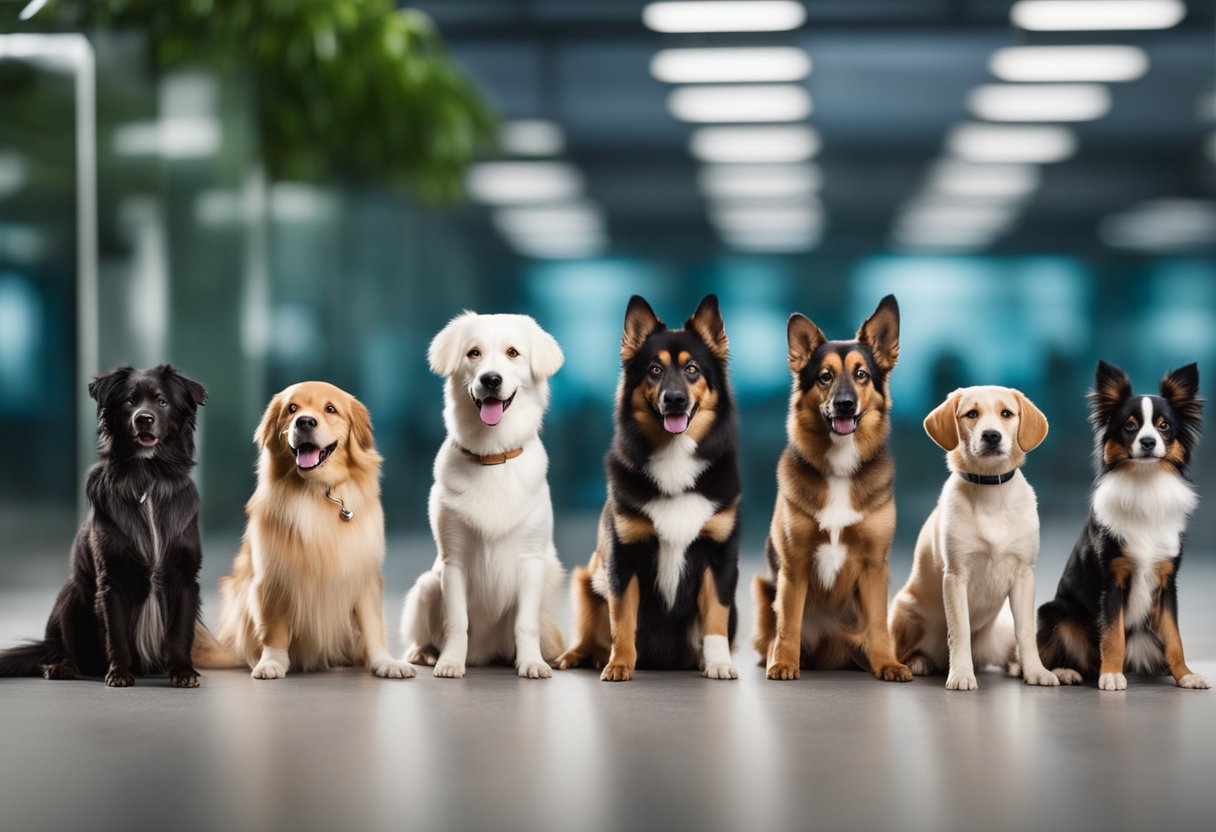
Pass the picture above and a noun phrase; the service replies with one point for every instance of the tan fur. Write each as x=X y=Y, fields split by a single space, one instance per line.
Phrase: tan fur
x=720 y=527
x=305 y=580
x=715 y=616
x=1113 y=646
x=623 y=620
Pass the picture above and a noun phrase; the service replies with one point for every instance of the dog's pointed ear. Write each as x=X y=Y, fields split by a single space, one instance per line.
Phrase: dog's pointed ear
x=196 y=394
x=881 y=333
x=1180 y=388
x=707 y=323
x=361 y=426
x=444 y=353
x=1111 y=388
x=640 y=324
x=804 y=338
x=545 y=354
x=942 y=423
x=1032 y=424
x=103 y=386
x=268 y=428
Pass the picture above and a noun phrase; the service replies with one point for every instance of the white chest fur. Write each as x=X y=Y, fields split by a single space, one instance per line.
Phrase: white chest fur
x=675 y=467
x=837 y=512
x=1145 y=508
x=678 y=521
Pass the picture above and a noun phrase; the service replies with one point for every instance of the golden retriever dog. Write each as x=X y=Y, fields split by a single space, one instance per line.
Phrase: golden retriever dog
x=306 y=592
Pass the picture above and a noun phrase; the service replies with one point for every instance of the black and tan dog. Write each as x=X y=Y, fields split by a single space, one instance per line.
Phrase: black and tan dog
x=824 y=606
x=659 y=591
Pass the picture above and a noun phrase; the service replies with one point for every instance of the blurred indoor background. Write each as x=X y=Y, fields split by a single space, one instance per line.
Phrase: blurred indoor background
x=284 y=195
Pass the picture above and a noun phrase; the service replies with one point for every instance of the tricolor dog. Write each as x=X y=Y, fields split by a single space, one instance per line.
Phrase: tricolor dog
x=492 y=593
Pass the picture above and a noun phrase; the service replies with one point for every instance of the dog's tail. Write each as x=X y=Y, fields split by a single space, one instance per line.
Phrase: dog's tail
x=25 y=659
x=766 y=617
x=209 y=654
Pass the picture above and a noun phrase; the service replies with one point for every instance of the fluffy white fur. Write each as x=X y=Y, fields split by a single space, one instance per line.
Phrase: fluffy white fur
x=678 y=520
x=976 y=551
x=493 y=590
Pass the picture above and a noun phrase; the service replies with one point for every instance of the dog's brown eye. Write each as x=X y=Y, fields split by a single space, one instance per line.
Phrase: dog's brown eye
x=291 y=408
x=861 y=375
x=692 y=371
x=1131 y=425
x=972 y=414
x=329 y=408
x=512 y=352
x=825 y=377
x=1006 y=414
x=474 y=353
x=1163 y=425
x=656 y=370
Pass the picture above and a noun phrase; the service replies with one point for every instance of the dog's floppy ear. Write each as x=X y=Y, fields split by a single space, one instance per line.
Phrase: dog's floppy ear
x=707 y=323
x=1032 y=424
x=196 y=394
x=1111 y=389
x=361 y=426
x=444 y=353
x=804 y=338
x=103 y=387
x=640 y=324
x=268 y=428
x=881 y=333
x=942 y=423
x=545 y=354
x=1180 y=388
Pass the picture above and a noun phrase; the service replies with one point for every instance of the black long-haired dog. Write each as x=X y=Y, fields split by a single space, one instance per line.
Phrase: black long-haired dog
x=1116 y=607
x=132 y=597
x=659 y=591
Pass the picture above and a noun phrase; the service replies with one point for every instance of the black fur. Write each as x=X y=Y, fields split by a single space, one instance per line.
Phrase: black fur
x=1089 y=595
x=662 y=634
x=137 y=495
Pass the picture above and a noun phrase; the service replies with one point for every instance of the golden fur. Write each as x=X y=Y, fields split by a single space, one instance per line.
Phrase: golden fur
x=306 y=581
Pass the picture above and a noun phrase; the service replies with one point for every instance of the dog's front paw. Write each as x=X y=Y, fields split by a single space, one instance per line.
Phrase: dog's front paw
x=961 y=681
x=783 y=671
x=388 y=668
x=720 y=670
x=448 y=669
x=422 y=655
x=1066 y=675
x=894 y=672
x=119 y=679
x=1194 y=681
x=269 y=669
x=59 y=670
x=184 y=678
x=920 y=666
x=1040 y=676
x=533 y=670
x=617 y=672
x=1112 y=681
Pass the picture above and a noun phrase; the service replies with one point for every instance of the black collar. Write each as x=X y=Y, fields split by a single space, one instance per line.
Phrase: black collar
x=987 y=479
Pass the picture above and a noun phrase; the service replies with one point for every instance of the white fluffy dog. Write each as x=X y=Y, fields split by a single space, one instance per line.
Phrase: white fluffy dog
x=490 y=596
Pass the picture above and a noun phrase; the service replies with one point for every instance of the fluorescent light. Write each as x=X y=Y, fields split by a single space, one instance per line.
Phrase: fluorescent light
x=767 y=218
x=502 y=183
x=698 y=66
x=964 y=179
x=1162 y=225
x=772 y=242
x=576 y=218
x=179 y=137
x=1069 y=63
x=1096 y=15
x=12 y=173
x=564 y=247
x=754 y=144
x=959 y=217
x=298 y=203
x=1009 y=143
x=32 y=8
x=725 y=16
x=758 y=181
x=926 y=236
x=1039 y=102
x=531 y=137
x=738 y=103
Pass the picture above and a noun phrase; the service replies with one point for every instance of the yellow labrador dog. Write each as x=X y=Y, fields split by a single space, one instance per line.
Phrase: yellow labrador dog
x=978 y=547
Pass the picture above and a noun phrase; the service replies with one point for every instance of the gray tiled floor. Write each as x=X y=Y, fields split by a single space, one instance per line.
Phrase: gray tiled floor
x=342 y=750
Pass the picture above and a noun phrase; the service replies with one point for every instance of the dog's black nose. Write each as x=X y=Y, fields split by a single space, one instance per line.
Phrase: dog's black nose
x=306 y=422
x=845 y=407
x=991 y=437
x=144 y=419
x=491 y=381
x=1148 y=442
x=675 y=401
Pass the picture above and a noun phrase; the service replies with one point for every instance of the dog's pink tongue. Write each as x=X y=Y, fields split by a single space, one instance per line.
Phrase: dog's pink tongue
x=675 y=422
x=844 y=426
x=491 y=411
x=308 y=457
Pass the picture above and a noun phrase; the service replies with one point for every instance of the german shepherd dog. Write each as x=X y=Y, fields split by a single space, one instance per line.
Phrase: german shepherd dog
x=1116 y=607
x=659 y=591
x=132 y=599
x=824 y=604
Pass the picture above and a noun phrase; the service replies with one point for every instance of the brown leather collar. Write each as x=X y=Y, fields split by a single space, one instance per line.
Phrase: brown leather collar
x=493 y=459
